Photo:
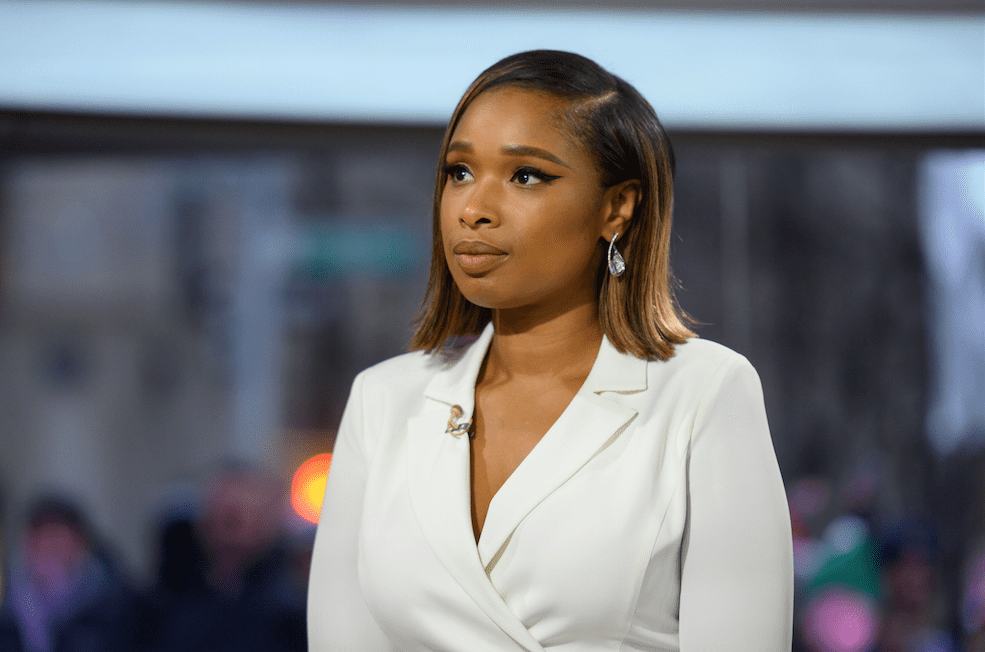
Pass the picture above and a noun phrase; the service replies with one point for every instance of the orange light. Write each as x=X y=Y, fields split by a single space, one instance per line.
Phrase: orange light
x=308 y=486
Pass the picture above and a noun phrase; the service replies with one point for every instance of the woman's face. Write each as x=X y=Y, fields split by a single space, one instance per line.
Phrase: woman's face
x=522 y=210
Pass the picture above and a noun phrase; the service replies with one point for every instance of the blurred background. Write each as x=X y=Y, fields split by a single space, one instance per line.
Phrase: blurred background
x=214 y=214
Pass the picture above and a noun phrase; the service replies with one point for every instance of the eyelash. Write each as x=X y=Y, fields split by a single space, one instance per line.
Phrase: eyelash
x=450 y=170
x=534 y=172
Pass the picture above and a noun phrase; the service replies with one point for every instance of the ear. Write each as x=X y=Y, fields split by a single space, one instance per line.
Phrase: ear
x=618 y=205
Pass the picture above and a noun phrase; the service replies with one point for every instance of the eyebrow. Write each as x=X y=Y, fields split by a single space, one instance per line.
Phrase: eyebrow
x=513 y=150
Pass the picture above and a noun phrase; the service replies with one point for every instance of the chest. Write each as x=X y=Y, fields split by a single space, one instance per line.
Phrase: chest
x=509 y=422
x=591 y=515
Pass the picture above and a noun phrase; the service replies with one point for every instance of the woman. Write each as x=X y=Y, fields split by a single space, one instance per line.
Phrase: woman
x=586 y=475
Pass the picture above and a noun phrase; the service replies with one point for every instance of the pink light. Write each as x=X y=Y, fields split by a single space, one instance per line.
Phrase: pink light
x=841 y=620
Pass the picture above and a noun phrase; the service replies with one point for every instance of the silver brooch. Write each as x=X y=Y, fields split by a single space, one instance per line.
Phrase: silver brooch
x=457 y=429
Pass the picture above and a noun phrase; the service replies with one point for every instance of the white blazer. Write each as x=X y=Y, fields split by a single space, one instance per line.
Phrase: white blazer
x=651 y=516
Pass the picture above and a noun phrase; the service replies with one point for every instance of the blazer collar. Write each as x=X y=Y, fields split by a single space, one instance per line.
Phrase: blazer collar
x=616 y=372
x=455 y=383
x=438 y=466
x=612 y=372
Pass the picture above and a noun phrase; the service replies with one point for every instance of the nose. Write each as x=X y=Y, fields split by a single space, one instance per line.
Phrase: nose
x=481 y=205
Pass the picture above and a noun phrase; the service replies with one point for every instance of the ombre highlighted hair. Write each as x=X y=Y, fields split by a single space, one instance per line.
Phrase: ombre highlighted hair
x=620 y=130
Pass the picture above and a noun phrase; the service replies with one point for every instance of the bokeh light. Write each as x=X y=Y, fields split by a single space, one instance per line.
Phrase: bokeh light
x=841 y=620
x=308 y=486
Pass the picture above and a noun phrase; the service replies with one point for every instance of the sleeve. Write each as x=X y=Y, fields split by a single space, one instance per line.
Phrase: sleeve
x=737 y=553
x=338 y=619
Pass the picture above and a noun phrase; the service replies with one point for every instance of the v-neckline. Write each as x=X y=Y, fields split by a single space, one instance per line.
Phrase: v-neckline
x=525 y=462
x=437 y=461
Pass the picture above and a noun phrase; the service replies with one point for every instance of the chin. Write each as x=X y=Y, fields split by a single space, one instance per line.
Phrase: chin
x=486 y=294
x=481 y=299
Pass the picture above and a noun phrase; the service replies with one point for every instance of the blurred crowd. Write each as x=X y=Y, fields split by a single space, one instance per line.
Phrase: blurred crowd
x=866 y=582
x=229 y=578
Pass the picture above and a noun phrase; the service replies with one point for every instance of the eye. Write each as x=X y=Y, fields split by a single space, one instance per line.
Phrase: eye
x=528 y=176
x=457 y=173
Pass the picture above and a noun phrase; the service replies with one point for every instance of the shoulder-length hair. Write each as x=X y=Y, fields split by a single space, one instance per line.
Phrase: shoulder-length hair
x=620 y=129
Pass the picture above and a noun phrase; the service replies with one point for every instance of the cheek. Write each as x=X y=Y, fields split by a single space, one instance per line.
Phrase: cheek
x=446 y=224
x=448 y=211
x=567 y=232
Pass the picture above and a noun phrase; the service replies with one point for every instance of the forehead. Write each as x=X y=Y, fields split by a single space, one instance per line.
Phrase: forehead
x=517 y=116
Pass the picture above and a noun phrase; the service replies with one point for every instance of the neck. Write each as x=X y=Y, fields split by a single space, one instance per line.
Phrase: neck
x=529 y=343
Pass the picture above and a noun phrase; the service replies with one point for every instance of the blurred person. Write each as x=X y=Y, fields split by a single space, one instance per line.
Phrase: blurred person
x=65 y=593
x=914 y=613
x=808 y=498
x=973 y=601
x=300 y=544
x=226 y=582
x=971 y=565
x=586 y=475
x=840 y=610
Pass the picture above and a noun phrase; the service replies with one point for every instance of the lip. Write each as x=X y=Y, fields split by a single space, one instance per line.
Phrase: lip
x=476 y=248
x=476 y=258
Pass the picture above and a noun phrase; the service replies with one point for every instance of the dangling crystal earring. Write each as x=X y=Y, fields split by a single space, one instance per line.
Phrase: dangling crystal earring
x=616 y=263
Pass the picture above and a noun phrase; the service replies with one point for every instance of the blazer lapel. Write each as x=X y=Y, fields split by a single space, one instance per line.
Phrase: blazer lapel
x=440 y=490
x=438 y=468
x=594 y=418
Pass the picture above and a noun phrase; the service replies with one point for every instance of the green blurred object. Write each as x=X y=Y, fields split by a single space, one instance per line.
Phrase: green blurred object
x=348 y=249
x=853 y=560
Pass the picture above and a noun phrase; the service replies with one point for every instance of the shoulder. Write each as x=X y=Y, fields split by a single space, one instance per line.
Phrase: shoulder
x=703 y=360
x=390 y=392
x=403 y=375
x=407 y=374
x=399 y=370
x=700 y=371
